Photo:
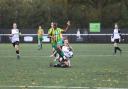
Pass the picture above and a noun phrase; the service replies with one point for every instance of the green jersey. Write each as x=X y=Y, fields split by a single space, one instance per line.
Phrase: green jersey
x=58 y=34
x=40 y=33
x=51 y=33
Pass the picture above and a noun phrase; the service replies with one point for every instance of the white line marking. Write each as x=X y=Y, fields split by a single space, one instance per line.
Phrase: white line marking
x=40 y=56
x=60 y=87
x=24 y=56
x=95 y=55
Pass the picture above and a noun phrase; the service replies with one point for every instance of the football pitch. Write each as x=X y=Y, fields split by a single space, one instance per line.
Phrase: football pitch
x=93 y=67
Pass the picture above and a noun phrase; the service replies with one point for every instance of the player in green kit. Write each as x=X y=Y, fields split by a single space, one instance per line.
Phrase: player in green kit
x=40 y=34
x=53 y=42
x=51 y=35
x=57 y=37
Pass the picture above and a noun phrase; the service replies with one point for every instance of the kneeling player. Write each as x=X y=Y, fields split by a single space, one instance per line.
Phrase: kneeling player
x=68 y=53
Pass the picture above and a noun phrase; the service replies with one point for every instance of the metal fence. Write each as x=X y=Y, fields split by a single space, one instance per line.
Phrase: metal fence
x=73 y=38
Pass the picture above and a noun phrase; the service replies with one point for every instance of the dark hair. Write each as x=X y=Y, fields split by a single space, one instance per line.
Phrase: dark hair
x=55 y=23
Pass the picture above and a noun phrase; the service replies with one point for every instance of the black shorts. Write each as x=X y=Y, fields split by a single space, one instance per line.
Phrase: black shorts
x=116 y=41
x=15 y=43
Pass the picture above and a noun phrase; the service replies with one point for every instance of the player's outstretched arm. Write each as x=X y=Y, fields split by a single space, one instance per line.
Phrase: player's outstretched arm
x=67 y=27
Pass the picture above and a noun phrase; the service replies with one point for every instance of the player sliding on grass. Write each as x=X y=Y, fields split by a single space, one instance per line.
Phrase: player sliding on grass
x=55 y=34
x=117 y=38
x=68 y=53
x=15 y=39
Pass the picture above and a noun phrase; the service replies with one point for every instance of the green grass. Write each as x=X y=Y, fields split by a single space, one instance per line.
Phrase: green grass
x=93 y=65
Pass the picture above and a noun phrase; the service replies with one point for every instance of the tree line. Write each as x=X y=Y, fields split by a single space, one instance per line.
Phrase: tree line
x=31 y=13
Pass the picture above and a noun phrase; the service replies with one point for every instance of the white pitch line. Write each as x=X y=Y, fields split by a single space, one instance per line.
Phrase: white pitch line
x=24 y=56
x=40 y=56
x=99 y=55
x=60 y=87
x=5 y=50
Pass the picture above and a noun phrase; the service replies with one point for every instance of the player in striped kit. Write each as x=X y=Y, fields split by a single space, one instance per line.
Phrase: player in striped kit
x=117 y=38
x=15 y=33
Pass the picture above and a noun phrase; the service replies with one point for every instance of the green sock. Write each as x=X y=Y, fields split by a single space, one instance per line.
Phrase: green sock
x=55 y=62
x=62 y=53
